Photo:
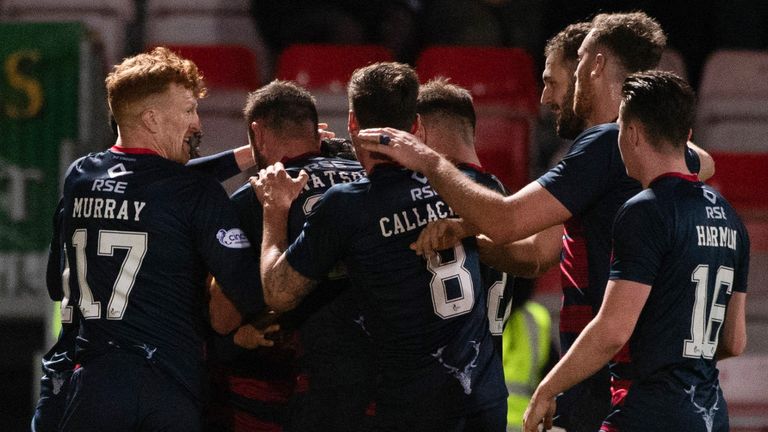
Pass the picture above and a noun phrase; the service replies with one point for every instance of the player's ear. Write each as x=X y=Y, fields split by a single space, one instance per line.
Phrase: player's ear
x=258 y=134
x=599 y=65
x=352 y=126
x=417 y=126
x=150 y=120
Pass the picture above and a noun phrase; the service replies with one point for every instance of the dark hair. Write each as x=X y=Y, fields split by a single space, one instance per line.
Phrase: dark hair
x=384 y=95
x=635 y=38
x=663 y=102
x=282 y=106
x=146 y=74
x=568 y=41
x=439 y=97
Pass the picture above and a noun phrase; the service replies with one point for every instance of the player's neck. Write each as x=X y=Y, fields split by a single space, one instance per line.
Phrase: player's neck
x=292 y=149
x=660 y=165
x=605 y=108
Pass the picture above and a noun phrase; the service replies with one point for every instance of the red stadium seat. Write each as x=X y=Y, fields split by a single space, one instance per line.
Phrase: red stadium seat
x=325 y=66
x=325 y=69
x=223 y=66
x=742 y=179
x=491 y=74
x=502 y=144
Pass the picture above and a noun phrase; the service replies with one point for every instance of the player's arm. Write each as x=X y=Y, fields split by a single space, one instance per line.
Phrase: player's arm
x=529 y=258
x=224 y=316
x=706 y=162
x=224 y=165
x=56 y=253
x=733 y=339
x=503 y=219
x=283 y=286
x=601 y=339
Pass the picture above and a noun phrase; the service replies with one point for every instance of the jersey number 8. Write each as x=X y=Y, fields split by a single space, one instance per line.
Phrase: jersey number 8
x=454 y=273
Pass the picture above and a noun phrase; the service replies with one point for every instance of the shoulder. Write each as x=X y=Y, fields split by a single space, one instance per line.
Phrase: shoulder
x=600 y=135
x=645 y=205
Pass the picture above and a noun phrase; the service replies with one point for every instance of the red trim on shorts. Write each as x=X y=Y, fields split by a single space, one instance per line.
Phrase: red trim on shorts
x=265 y=391
x=619 y=391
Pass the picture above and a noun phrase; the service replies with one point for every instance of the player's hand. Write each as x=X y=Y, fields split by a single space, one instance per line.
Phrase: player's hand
x=438 y=235
x=404 y=148
x=541 y=410
x=275 y=188
x=250 y=337
x=324 y=132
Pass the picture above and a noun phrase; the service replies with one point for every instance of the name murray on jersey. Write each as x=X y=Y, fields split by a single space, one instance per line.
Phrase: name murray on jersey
x=107 y=208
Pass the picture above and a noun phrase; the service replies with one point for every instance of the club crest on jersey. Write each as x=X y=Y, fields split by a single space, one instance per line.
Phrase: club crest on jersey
x=234 y=238
x=118 y=170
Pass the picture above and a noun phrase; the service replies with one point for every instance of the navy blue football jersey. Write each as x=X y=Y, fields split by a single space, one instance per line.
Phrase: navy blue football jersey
x=684 y=240
x=427 y=318
x=592 y=183
x=498 y=284
x=141 y=235
x=319 y=340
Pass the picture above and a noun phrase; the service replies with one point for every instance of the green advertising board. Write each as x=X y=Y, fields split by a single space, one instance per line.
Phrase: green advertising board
x=39 y=115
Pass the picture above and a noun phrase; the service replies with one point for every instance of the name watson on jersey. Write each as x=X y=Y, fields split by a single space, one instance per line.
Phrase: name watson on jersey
x=107 y=208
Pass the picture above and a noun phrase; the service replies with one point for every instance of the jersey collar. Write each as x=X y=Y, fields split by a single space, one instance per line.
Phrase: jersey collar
x=472 y=167
x=294 y=159
x=688 y=177
x=133 y=150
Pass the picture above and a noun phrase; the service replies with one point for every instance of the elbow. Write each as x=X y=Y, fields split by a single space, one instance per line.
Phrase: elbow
x=733 y=348
x=225 y=324
x=278 y=304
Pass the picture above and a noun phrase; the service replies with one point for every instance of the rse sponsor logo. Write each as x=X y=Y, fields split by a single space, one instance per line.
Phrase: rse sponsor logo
x=234 y=238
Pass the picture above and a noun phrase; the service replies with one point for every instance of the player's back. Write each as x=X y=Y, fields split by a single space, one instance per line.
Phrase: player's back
x=428 y=319
x=141 y=234
x=672 y=349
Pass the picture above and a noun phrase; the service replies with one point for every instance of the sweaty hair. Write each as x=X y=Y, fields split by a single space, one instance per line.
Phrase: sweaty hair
x=284 y=107
x=567 y=42
x=384 y=95
x=636 y=39
x=147 y=74
x=665 y=105
x=441 y=98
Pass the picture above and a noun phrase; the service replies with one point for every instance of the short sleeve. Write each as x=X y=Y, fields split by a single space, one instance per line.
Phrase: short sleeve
x=55 y=265
x=226 y=248
x=322 y=241
x=221 y=166
x=584 y=175
x=640 y=240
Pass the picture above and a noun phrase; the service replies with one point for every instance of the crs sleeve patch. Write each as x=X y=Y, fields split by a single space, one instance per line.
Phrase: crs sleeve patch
x=233 y=238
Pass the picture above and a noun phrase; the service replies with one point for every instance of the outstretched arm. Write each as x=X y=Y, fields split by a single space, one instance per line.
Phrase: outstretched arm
x=600 y=340
x=503 y=219
x=283 y=286
x=529 y=258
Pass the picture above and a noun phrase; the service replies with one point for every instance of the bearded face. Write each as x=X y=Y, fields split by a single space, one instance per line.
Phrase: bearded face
x=568 y=124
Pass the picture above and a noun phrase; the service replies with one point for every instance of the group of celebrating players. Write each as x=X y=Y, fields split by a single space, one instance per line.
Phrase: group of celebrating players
x=334 y=294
